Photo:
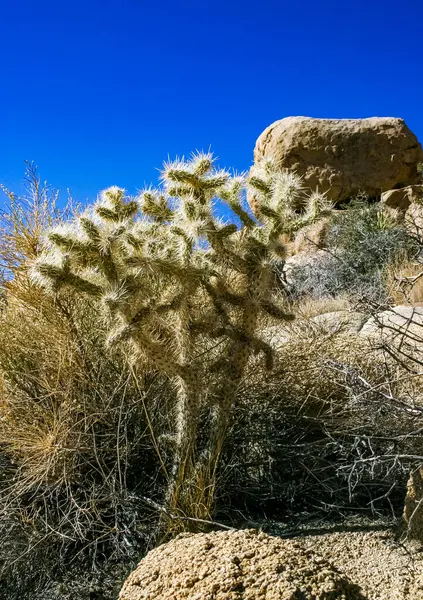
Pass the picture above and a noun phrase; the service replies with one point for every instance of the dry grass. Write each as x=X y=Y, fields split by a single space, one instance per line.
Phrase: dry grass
x=76 y=450
x=85 y=440
x=307 y=307
x=336 y=428
x=405 y=282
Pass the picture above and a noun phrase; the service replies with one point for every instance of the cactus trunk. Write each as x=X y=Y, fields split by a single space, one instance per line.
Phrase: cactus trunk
x=178 y=494
x=239 y=353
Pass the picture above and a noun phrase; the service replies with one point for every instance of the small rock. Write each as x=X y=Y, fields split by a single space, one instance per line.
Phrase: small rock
x=402 y=198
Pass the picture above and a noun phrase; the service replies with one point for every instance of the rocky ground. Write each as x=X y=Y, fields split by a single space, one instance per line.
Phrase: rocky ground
x=382 y=567
x=372 y=553
x=313 y=564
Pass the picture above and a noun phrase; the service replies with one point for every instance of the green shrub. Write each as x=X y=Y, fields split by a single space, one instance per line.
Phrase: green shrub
x=368 y=238
x=362 y=242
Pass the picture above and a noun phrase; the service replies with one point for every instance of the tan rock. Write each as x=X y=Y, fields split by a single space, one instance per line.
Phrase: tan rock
x=311 y=238
x=402 y=198
x=413 y=506
x=343 y=157
x=401 y=326
x=231 y=565
x=413 y=219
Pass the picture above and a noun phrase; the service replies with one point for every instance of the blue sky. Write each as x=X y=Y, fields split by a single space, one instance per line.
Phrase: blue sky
x=100 y=92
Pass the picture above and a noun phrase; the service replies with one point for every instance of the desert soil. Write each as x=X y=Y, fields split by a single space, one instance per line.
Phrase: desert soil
x=384 y=568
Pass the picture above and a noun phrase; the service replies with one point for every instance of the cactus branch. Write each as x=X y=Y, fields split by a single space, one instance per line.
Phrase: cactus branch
x=173 y=279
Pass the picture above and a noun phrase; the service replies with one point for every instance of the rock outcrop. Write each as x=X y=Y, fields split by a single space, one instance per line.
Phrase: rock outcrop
x=232 y=565
x=343 y=157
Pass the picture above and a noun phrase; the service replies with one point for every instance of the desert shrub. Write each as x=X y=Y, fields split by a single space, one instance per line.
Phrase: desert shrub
x=90 y=431
x=76 y=449
x=86 y=428
x=336 y=428
x=361 y=243
x=23 y=221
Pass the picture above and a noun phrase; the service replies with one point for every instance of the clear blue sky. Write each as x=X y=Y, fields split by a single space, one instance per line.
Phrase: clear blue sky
x=100 y=92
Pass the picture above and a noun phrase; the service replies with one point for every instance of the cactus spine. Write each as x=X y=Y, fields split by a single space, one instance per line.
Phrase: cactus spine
x=177 y=283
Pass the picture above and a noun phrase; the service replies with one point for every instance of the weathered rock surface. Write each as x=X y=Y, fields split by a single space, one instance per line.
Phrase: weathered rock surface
x=400 y=325
x=385 y=569
x=235 y=565
x=343 y=157
x=413 y=507
x=402 y=198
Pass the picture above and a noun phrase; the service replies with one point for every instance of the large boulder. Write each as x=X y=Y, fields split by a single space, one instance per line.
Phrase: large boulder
x=235 y=565
x=344 y=157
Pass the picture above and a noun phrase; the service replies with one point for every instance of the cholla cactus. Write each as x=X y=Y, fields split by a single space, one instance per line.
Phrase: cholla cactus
x=176 y=281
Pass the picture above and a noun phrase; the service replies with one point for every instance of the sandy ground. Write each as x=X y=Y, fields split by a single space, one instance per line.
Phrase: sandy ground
x=384 y=568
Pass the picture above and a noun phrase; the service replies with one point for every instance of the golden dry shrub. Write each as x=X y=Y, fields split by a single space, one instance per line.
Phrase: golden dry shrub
x=405 y=282
x=76 y=422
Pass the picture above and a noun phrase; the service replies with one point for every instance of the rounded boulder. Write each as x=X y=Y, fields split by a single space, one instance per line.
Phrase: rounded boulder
x=236 y=565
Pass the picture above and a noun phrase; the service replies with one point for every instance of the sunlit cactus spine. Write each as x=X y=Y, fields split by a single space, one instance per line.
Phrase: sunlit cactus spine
x=188 y=292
